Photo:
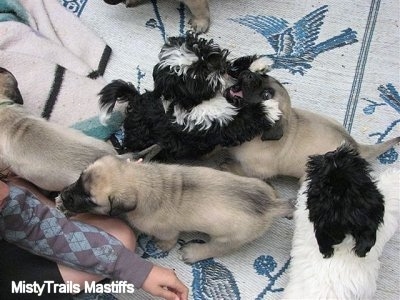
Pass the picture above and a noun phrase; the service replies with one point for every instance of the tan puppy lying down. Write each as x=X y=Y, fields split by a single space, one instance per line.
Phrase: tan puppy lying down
x=304 y=134
x=47 y=154
x=164 y=200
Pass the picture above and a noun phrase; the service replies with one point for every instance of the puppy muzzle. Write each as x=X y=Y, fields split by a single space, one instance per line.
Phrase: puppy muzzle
x=76 y=200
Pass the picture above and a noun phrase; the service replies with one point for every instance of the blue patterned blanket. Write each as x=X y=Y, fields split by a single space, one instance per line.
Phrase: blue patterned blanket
x=339 y=58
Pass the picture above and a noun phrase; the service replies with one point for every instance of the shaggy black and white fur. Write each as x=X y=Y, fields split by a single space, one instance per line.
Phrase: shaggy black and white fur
x=344 y=217
x=195 y=105
x=342 y=199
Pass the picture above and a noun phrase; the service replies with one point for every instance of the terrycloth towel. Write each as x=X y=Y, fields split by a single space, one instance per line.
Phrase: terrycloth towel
x=57 y=61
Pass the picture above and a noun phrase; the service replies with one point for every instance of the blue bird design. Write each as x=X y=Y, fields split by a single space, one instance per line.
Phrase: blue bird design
x=390 y=95
x=149 y=247
x=295 y=47
x=212 y=280
x=74 y=6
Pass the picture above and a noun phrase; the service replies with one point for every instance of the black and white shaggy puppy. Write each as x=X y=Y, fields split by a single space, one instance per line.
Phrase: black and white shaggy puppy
x=195 y=105
x=343 y=219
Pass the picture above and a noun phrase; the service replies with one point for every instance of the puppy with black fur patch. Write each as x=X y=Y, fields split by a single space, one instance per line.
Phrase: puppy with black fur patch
x=47 y=154
x=193 y=108
x=199 y=9
x=343 y=219
x=163 y=200
x=304 y=133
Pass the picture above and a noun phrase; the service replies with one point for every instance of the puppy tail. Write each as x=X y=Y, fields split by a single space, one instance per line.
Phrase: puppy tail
x=117 y=90
x=372 y=151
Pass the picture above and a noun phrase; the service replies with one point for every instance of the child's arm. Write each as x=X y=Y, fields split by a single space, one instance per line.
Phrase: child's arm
x=45 y=231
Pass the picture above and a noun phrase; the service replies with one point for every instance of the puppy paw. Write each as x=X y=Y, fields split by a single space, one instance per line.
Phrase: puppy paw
x=192 y=253
x=189 y=254
x=60 y=206
x=199 y=25
x=326 y=252
x=363 y=247
x=261 y=65
x=166 y=245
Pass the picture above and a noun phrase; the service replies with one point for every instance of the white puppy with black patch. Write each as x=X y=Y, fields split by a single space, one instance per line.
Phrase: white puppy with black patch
x=341 y=229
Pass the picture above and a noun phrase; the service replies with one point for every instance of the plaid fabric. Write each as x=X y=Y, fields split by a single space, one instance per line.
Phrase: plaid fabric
x=45 y=231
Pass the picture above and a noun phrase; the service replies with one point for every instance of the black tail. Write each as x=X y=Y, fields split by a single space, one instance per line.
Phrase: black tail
x=117 y=90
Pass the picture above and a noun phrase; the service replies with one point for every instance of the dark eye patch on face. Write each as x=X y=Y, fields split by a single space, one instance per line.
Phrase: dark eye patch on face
x=268 y=93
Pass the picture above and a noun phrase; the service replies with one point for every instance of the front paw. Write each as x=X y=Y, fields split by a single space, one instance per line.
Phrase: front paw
x=190 y=253
x=200 y=25
x=166 y=245
x=261 y=65
x=272 y=134
x=327 y=252
x=361 y=249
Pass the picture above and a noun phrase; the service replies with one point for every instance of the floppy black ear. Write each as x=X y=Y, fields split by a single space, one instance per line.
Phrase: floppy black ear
x=10 y=86
x=164 y=81
x=15 y=95
x=274 y=133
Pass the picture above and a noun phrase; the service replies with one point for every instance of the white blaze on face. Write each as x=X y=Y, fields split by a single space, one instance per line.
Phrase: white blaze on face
x=272 y=111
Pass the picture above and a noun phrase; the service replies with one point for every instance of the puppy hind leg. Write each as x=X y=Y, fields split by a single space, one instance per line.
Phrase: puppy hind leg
x=166 y=240
x=262 y=65
x=365 y=240
x=325 y=243
x=216 y=247
x=201 y=14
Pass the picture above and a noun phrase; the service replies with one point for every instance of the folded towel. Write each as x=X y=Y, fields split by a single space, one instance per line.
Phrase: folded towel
x=58 y=63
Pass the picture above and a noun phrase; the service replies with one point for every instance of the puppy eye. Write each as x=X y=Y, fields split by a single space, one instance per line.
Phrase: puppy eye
x=267 y=94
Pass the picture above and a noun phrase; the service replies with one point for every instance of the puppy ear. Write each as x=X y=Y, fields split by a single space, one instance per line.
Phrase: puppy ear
x=15 y=95
x=9 y=86
x=274 y=133
x=120 y=206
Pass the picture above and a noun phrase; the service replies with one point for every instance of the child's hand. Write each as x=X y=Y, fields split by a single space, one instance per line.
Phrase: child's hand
x=164 y=283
